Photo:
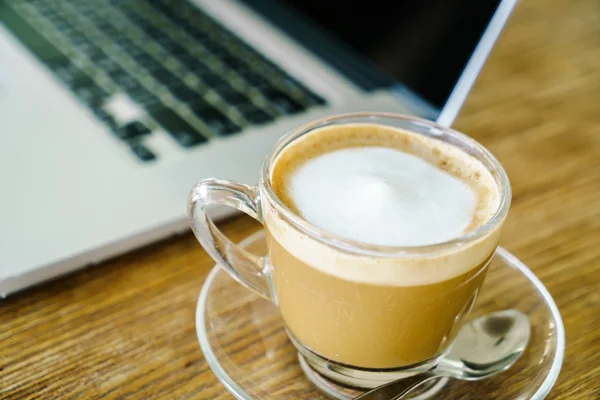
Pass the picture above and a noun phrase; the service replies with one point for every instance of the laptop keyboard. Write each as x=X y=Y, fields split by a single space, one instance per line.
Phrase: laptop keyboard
x=142 y=65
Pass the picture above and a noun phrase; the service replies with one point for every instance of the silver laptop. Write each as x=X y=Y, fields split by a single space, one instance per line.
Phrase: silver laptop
x=110 y=110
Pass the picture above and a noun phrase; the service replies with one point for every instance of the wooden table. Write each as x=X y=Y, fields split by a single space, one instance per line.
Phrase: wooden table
x=125 y=329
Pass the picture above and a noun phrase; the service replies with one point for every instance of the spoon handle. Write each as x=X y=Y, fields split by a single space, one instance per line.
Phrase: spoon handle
x=415 y=385
x=398 y=388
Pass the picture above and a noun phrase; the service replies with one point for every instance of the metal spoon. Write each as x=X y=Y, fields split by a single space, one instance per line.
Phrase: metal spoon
x=484 y=347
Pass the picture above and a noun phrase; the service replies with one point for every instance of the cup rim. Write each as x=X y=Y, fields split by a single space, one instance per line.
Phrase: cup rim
x=362 y=248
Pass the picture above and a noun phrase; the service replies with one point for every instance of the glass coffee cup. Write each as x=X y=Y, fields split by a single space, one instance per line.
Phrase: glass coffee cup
x=360 y=314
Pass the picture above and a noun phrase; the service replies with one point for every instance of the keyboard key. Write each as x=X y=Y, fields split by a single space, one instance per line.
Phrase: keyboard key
x=177 y=127
x=166 y=42
x=230 y=95
x=254 y=78
x=255 y=115
x=143 y=97
x=290 y=84
x=142 y=152
x=223 y=127
x=64 y=26
x=125 y=43
x=199 y=70
x=218 y=123
x=86 y=95
x=87 y=47
x=214 y=47
x=316 y=99
x=127 y=82
x=67 y=73
x=223 y=35
x=93 y=96
x=117 y=75
x=184 y=92
x=177 y=50
x=164 y=76
x=108 y=29
x=212 y=79
x=188 y=139
x=108 y=65
x=312 y=97
x=134 y=52
x=152 y=31
x=80 y=41
x=193 y=63
x=132 y=130
x=232 y=61
x=106 y=118
x=148 y=62
x=284 y=103
x=197 y=34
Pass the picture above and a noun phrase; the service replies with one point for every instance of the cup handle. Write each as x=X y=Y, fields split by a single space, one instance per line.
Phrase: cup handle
x=246 y=268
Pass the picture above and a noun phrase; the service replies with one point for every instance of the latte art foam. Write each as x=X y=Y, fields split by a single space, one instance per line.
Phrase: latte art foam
x=381 y=185
x=381 y=196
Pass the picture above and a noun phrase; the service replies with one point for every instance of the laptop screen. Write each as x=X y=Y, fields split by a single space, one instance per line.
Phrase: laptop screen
x=423 y=45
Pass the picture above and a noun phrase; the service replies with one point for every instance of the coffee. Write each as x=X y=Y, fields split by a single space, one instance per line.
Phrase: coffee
x=382 y=186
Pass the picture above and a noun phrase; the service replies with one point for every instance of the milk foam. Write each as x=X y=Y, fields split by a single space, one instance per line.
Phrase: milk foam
x=382 y=196
x=386 y=186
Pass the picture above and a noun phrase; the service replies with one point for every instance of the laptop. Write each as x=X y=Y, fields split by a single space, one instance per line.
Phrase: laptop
x=110 y=110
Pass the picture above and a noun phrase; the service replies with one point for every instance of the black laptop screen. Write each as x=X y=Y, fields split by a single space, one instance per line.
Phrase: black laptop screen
x=422 y=44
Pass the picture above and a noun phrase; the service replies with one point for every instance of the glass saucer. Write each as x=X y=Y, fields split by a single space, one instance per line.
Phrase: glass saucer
x=244 y=341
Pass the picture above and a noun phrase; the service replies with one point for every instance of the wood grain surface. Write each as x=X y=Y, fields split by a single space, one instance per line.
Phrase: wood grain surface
x=125 y=329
